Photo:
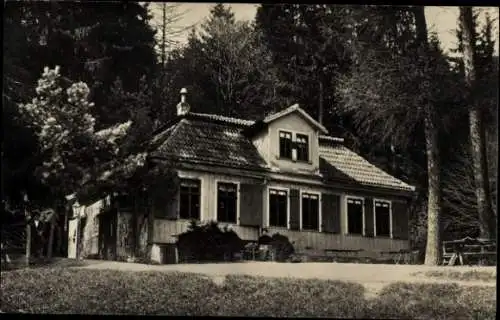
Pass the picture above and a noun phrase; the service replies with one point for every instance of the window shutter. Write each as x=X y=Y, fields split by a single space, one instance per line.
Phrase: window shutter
x=369 y=220
x=330 y=213
x=400 y=220
x=294 y=209
x=251 y=201
x=172 y=208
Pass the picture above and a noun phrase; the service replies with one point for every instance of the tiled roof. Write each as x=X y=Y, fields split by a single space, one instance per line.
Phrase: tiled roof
x=224 y=119
x=219 y=140
x=208 y=142
x=342 y=163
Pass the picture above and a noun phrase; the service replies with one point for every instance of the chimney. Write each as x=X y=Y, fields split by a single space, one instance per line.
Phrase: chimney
x=183 y=107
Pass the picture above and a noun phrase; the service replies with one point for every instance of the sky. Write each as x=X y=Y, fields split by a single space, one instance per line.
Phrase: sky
x=442 y=19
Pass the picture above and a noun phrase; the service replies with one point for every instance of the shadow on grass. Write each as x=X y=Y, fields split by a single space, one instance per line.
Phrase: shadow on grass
x=472 y=275
x=42 y=263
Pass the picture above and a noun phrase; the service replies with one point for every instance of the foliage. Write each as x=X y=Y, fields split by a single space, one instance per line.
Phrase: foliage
x=91 y=45
x=65 y=128
x=208 y=242
x=59 y=290
x=282 y=247
x=225 y=68
x=309 y=46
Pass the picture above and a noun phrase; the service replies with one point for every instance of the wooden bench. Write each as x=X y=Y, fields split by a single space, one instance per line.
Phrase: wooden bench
x=467 y=249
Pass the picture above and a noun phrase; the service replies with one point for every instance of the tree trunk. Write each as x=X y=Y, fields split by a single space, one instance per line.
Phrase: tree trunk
x=432 y=250
x=51 y=238
x=433 y=247
x=487 y=221
x=28 y=237
x=320 y=111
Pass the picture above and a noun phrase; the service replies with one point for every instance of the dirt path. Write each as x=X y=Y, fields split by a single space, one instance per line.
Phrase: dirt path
x=373 y=276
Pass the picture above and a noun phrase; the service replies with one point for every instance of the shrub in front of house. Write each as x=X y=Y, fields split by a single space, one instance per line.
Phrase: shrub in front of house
x=208 y=243
x=282 y=247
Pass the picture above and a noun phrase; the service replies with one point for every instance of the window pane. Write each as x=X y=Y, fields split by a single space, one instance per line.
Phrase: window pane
x=314 y=213
x=285 y=144
x=310 y=211
x=355 y=216
x=184 y=206
x=195 y=206
x=231 y=209
x=227 y=200
x=302 y=147
x=382 y=214
x=277 y=208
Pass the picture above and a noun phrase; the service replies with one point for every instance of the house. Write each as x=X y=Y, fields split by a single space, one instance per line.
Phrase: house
x=283 y=173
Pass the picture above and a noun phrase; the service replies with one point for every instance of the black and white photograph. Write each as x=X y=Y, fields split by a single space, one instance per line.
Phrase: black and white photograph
x=249 y=160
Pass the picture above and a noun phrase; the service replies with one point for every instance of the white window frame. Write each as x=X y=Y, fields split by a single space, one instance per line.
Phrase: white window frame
x=375 y=216
x=186 y=175
x=201 y=197
x=216 y=204
x=279 y=145
x=320 y=217
x=268 y=198
x=294 y=139
x=346 y=214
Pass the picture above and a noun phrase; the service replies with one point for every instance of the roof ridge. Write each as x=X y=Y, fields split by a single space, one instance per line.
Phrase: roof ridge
x=223 y=118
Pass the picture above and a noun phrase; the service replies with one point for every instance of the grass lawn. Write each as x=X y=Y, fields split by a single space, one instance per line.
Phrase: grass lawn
x=63 y=290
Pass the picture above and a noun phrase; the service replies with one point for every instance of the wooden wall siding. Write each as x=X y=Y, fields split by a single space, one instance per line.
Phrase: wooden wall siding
x=125 y=235
x=142 y=228
x=319 y=241
x=90 y=239
x=164 y=230
x=208 y=193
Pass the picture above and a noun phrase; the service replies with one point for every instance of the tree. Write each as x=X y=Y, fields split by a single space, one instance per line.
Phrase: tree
x=477 y=129
x=72 y=150
x=309 y=47
x=405 y=74
x=225 y=69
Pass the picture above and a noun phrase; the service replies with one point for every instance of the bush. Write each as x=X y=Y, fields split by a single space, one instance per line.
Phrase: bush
x=282 y=247
x=208 y=243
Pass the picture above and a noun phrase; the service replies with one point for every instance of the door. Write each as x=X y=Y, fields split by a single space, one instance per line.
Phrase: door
x=107 y=235
x=72 y=238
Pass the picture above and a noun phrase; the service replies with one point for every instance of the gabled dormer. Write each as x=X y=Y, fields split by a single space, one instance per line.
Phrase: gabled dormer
x=288 y=140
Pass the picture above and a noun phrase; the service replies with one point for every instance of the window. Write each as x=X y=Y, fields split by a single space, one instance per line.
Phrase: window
x=278 y=208
x=354 y=216
x=285 y=145
x=310 y=211
x=190 y=194
x=226 y=202
x=382 y=218
x=302 y=147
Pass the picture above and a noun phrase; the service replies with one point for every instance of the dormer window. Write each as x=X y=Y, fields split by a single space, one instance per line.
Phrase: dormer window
x=302 y=143
x=285 y=145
